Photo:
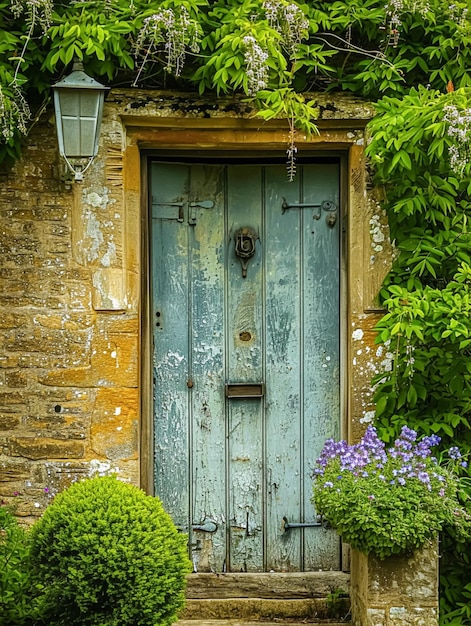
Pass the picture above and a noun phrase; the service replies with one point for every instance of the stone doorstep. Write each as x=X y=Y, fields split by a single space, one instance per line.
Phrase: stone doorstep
x=262 y=598
x=231 y=622
x=272 y=585
x=262 y=609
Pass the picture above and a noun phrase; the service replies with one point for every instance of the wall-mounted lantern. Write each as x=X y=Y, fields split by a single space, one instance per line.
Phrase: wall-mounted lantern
x=78 y=104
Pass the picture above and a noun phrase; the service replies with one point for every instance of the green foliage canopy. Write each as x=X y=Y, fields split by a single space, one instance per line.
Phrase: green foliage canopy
x=271 y=51
x=426 y=328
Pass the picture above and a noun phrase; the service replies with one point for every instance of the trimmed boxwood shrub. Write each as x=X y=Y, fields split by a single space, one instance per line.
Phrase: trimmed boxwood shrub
x=109 y=555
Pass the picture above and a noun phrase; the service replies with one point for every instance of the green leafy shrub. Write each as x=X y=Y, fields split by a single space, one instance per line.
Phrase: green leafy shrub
x=109 y=555
x=422 y=172
x=388 y=501
x=18 y=594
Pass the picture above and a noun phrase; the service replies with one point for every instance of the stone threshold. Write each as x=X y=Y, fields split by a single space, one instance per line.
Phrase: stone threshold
x=231 y=622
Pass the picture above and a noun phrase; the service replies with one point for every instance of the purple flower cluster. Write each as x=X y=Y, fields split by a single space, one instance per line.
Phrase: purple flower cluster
x=353 y=458
x=406 y=459
x=389 y=499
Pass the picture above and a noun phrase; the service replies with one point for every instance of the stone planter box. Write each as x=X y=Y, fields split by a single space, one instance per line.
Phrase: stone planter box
x=399 y=591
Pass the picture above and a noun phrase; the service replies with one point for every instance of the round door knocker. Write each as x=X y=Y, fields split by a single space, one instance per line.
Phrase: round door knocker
x=245 y=239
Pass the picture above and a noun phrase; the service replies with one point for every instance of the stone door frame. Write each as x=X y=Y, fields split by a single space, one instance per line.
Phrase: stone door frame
x=228 y=135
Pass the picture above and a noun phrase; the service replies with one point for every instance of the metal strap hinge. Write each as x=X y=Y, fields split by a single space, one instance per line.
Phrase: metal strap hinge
x=291 y=525
x=326 y=205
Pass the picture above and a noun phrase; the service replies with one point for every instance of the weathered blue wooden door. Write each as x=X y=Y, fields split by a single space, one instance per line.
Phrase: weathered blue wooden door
x=246 y=358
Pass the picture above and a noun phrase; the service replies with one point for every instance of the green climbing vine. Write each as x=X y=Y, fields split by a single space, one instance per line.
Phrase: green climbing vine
x=411 y=57
x=420 y=155
x=272 y=52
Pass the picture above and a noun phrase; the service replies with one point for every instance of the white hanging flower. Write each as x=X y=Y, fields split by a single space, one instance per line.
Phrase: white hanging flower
x=14 y=113
x=36 y=12
x=289 y=20
x=459 y=128
x=256 y=64
x=175 y=30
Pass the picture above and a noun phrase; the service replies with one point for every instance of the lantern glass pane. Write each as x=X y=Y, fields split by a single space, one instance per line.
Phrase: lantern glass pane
x=71 y=130
x=79 y=118
x=89 y=103
x=69 y=102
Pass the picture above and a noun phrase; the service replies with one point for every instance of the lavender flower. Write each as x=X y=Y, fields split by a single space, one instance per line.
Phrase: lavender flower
x=454 y=453
x=410 y=494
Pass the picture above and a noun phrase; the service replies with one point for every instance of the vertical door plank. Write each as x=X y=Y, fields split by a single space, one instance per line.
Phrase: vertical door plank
x=283 y=336
x=207 y=393
x=244 y=364
x=170 y=309
x=321 y=311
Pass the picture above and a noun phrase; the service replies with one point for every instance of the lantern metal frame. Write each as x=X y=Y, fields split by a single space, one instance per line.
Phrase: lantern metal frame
x=78 y=105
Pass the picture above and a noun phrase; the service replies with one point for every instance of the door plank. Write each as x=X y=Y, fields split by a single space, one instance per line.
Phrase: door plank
x=283 y=414
x=244 y=364
x=207 y=339
x=321 y=312
x=170 y=309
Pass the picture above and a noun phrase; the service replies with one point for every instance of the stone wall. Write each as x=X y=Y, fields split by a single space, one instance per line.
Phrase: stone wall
x=399 y=591
x=69 y=358
x=73 y=379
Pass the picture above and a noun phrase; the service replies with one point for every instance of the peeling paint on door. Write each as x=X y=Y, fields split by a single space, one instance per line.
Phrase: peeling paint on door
x=229 y=469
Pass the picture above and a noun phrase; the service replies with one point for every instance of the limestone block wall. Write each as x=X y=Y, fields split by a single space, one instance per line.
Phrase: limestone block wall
x=73 y=373
x=69 y=331
x=399 y=591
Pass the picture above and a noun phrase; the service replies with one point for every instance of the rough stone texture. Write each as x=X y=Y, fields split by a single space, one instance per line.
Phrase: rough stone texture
x=238 y=622
x=69 y=333
x=399 y=591
x=255 y=608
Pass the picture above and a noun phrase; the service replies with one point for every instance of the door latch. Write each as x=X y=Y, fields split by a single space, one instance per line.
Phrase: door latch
x=206 y=526
x=204 y=204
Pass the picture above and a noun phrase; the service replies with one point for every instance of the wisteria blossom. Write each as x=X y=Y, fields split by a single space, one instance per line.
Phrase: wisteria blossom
x=173 y=31
x=396 y=8
x=289 y=20
x=14 y=112
x=458 y=15
x=459 y=129
x=256 y=64
x=35 y=11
